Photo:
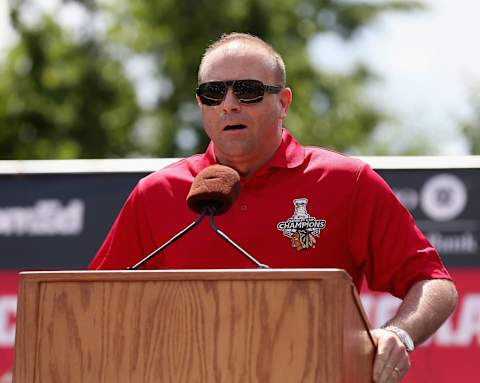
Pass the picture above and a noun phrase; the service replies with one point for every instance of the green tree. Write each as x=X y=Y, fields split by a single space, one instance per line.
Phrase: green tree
x=471 y=128
x=60 y=99
x=53 y=97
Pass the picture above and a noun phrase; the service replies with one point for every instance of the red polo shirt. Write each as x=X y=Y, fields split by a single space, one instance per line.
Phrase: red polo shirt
x=306 y=208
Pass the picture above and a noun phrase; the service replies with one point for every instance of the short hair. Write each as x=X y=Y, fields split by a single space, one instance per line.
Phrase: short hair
x=279 y=69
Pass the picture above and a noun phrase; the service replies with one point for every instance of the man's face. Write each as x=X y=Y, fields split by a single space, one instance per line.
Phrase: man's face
x=243 y=132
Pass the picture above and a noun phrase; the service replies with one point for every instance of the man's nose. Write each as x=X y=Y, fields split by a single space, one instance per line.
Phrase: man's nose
x=231 y=103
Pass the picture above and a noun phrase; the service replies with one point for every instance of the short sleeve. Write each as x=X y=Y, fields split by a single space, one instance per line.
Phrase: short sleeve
x=129 y=239
x=385 y=241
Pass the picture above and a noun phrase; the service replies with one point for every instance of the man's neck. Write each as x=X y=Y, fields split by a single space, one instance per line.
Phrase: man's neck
x=247 y=166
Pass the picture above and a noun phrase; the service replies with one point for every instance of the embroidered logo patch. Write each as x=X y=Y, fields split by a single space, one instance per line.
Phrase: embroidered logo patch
x=300 y=227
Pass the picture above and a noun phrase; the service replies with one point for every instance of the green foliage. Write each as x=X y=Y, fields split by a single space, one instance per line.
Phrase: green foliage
x=61 y=98
x=471 y=128
x=472 y=132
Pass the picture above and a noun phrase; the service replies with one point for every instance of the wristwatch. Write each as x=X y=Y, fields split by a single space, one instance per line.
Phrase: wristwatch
x=403 y=335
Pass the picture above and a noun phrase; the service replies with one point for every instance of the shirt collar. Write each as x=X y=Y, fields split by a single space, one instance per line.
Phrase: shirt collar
x=206 y=159
x=289 y=154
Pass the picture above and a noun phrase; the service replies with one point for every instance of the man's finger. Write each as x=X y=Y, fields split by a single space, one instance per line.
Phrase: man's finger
x=381 y=359
x=391 y=361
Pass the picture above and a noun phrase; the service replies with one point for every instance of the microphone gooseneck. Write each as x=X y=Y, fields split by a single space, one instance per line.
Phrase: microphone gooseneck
x=213 y=192
x=170 y=241
x=226 y=238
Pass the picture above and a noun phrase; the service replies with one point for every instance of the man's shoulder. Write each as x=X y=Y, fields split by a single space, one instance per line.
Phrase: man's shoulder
x=178 y=173
x=329 y=160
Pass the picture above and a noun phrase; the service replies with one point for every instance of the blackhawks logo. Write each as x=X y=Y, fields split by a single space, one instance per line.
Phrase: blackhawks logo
x=300 y=227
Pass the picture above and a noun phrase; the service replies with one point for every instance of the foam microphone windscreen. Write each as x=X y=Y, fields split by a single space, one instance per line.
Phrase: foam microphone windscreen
x=217 y=186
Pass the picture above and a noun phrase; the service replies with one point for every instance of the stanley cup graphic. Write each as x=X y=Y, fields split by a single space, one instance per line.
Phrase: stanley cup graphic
x=300 y=209
x=301 y=227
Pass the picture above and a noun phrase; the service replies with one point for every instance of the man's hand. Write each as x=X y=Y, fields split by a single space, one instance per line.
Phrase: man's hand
x=391 y=361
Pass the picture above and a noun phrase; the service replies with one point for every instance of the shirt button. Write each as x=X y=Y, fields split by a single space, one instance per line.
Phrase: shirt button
x=243 y=207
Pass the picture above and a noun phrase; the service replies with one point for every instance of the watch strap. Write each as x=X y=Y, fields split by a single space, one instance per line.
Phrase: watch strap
x=403 y=336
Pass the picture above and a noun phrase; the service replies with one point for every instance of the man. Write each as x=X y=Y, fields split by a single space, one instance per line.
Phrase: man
x=352 y=219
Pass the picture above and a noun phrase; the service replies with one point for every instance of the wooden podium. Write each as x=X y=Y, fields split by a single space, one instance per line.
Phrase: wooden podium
x=191 y=326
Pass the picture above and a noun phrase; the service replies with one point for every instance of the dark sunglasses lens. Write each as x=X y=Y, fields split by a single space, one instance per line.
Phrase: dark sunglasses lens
x=212 y=93
x=248 y=90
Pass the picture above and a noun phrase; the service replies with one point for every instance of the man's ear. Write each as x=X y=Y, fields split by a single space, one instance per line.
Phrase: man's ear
x=285 y=101
x=199 y=103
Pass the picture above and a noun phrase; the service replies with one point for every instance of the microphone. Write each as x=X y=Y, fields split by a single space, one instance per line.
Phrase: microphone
x=215 y=187
x=213 y=192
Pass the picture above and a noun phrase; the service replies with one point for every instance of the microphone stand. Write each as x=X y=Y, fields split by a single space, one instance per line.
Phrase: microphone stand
x=211 y=211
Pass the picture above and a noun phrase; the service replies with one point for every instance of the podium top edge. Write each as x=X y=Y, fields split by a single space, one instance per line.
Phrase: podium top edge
x=206 y=274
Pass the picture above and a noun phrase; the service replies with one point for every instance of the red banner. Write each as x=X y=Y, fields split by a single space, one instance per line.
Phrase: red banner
x=451 y=355
x=8 y=309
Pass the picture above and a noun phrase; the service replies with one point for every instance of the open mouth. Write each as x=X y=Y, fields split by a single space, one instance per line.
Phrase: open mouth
x=235 y=127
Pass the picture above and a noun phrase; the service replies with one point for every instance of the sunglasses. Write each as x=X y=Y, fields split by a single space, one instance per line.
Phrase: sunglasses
x=247 y=91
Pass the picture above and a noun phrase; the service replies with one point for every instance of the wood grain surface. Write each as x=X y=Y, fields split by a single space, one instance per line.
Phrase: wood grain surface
x=237 y=329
